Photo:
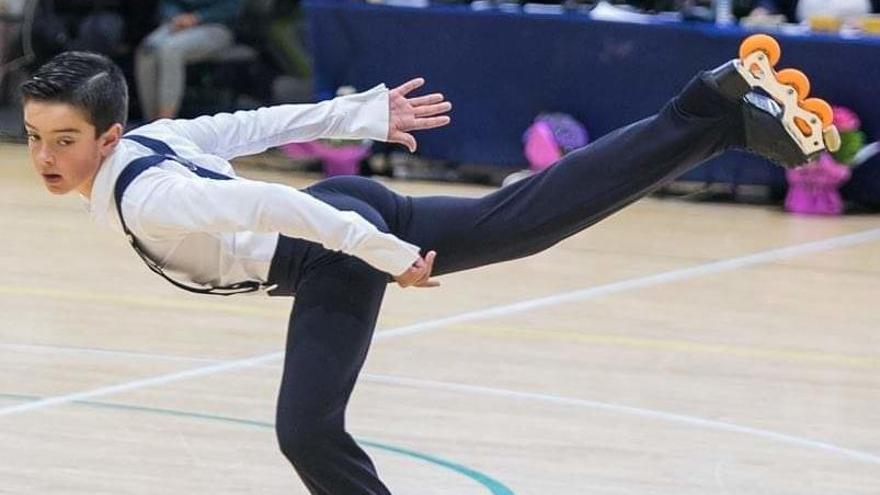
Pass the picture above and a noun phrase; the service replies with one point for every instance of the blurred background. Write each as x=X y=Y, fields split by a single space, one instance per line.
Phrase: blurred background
x=529 y=81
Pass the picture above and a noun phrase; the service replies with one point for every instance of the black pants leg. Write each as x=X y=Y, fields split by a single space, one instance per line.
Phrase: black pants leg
x=583 y=188
x=338 y=297
x=331 y=325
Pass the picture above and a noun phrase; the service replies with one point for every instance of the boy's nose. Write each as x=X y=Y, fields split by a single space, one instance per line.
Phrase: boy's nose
x=44 y=155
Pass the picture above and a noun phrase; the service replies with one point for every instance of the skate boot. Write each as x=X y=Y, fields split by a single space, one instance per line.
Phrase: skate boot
x=781 y=123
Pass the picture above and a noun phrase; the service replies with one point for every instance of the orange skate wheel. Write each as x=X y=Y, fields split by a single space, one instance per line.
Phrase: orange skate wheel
x=762 y=43
x=821 y=108
x=796 y=79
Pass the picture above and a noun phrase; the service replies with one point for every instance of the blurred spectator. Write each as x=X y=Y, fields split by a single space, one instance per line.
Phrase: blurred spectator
x=93 y=25
x=741 y=8
x=771 y=7
x=190 y=31
x=796 y=11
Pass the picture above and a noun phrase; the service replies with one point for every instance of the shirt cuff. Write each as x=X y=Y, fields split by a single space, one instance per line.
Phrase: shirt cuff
x=388 y=253
x=371 y=108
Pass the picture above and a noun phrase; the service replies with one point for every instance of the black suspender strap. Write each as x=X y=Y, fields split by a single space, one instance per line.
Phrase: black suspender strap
x=161 y=148
x=131 y=172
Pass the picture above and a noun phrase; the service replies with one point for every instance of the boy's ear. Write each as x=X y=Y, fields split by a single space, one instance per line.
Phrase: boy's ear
x=110 y=139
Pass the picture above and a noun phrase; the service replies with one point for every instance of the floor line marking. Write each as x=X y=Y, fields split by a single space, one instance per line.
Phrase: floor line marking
x=628 y=410
x=492 y=312
x=554 y=399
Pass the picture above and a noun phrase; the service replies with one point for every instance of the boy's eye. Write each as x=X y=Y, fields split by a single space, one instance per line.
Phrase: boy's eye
x=33 y=137
x=65 y=142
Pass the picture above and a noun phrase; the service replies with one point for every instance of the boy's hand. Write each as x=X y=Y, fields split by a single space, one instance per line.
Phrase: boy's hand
x=419 y=274
x=413 y=114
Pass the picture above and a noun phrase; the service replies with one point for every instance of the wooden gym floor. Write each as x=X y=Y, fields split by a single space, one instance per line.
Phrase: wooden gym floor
x=675 y=348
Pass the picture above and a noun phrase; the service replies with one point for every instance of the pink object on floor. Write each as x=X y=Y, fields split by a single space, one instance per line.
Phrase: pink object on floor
x=814 y=188
x=299 y=150
x=338 y=160
x=342 y=160
x=541 y=148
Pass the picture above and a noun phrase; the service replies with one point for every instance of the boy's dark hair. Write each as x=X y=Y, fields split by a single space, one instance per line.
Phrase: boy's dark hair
x=88 y=81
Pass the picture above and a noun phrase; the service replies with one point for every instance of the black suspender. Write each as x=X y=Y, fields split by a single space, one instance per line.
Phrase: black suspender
x=136 y=168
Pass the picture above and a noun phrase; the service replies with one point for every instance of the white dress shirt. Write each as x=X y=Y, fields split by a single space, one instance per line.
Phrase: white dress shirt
x=220 y=232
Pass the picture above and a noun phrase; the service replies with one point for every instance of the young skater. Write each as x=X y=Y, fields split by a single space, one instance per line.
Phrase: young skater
x=335 y=245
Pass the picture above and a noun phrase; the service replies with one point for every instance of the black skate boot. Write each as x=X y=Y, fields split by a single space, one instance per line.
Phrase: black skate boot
x=781 y=123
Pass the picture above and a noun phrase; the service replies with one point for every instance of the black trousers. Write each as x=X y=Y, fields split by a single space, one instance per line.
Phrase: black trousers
x=338 y=296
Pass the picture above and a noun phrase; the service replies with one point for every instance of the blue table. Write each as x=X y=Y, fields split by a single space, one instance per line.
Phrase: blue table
x=501 y=69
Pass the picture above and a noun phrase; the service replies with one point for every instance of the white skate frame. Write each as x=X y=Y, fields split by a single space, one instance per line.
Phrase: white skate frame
x=787 y=97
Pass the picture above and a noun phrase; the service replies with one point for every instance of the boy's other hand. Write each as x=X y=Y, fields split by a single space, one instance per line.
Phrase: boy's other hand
x=419 y=274
x=413 y=114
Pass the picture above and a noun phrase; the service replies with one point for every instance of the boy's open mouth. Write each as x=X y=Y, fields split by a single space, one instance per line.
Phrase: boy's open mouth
x=52 y=178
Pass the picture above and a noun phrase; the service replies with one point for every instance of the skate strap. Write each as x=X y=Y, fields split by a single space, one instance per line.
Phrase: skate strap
x=132 y=171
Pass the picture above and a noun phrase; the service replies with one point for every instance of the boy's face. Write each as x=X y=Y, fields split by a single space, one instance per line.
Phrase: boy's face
x=63 y=147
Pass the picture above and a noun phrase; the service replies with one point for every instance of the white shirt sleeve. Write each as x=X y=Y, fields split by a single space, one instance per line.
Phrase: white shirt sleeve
x=358 y=116
x=178 y=205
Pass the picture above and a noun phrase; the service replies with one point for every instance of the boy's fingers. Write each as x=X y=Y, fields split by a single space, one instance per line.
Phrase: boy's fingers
x=424 y=275
x=407 y=140
x=409 y=280
x=426 y=100
x=410 y=86
x=430 y=123
x=404 y=278
x=432 y=110
x=419 y=273
x=428 y=266
x=412 y=275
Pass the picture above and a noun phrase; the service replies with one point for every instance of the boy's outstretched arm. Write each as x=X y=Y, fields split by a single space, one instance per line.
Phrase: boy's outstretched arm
x=377 y=114
x=180 y=205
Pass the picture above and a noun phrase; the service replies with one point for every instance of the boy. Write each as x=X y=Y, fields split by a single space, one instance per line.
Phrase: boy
x=336 y=245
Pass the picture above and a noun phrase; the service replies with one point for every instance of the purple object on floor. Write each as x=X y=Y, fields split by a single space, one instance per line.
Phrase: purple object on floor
x=569 y=133
x=550 y=137
x=814 y=189
x=338 y=160
x=299 y=150
x=541 y=149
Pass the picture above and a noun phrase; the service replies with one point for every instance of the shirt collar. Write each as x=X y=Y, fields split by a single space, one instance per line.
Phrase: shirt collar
x=102 y=202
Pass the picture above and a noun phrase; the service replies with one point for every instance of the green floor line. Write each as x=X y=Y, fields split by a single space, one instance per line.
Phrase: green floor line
x=494 y=486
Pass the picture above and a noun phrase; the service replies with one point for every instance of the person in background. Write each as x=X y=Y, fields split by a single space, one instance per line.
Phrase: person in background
x=190 y=31
x=796 y=11
x=92 y=25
